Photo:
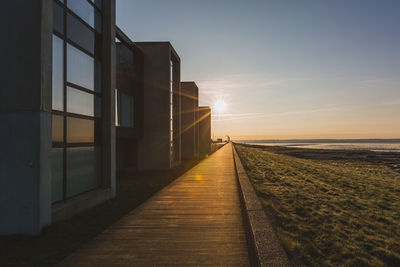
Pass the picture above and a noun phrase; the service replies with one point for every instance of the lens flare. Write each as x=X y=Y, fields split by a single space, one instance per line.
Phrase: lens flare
x=220 y=106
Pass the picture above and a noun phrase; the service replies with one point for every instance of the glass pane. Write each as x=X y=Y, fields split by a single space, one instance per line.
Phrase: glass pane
x=80 y=130
x=86 y=12
x=97 y=3
x=125 y=59
x=80 y=34
x=83 y=9
x=82 y=69
x=83 y=169
x=58 y=73
x=80 y=102
x=57 y=129
x=58 y=18
x=56 y=174
x=126 y=111
x=97 y=22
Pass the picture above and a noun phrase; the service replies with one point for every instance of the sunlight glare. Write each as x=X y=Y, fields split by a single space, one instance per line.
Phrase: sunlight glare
x=220 y=106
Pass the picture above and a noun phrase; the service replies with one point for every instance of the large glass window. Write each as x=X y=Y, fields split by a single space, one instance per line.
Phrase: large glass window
x=86 y=12
x=57 y=129
x=84 y=103
x=125 y=60
x=83 y=169
x=125 y=110
x=80 y=130
x=58 y=18
x=82 y=69
x=57 y=174
x=58 y=73
x=97 y=3
x=76 y=123
x=82 y=35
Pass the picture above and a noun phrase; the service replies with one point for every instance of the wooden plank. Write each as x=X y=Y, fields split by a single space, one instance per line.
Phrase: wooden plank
x=197 y=220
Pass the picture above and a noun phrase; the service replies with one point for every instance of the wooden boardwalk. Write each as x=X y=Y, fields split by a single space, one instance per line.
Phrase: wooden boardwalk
x=194 y=221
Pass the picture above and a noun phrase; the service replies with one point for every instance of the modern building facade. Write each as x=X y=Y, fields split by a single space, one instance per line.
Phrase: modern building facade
x=204 y=130
x=190 y=124
x=78 y=101
x=129 y=102
x=57 y=111
x=160 y=147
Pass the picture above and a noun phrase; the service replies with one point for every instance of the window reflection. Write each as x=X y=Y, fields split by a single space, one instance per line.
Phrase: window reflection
x=83 y=169
x=125 y=60
x=58 y=18
x=80 y=102
x=82 y=69
x=56 y=174
x=80 y=130
x=80 y=34
x=76 y=45
x=125 y=109
x=58 y=73
x=57 y=129
x=86 y=12
x=97 y=3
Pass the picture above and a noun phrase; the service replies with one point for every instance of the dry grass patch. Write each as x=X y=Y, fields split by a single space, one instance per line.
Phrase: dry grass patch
x=329 y=212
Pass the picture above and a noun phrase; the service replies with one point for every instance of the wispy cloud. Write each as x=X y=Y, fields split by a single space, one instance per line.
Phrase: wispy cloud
x=379 y=82
x=243 y=116
x=228 y=83
x=392 y=103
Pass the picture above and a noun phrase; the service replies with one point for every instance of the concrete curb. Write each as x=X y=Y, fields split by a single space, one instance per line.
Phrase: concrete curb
x=264 y=246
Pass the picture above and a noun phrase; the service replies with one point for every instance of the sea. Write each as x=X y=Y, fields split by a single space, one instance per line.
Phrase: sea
x=380 y=145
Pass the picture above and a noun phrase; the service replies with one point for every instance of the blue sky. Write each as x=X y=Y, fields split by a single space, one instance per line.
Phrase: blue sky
x=286 y=69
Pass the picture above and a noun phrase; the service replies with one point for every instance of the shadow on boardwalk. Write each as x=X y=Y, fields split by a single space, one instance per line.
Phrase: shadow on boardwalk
x=195 y=220
x=61 y=239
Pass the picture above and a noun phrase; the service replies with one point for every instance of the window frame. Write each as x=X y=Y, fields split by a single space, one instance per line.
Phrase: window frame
x=97 y=142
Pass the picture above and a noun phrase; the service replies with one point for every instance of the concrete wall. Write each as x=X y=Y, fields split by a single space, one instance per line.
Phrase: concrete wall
x=25 y=106
x=205 y=130
x=190 y=103
x=130 y=82
x=108 y=86
x=25 y=116
x=154 y=147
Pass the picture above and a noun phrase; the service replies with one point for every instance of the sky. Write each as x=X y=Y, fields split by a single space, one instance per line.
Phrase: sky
x=285 y=69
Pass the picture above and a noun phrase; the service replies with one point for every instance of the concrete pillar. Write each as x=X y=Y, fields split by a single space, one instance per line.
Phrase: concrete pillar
x=205 y=130
x=154 y=147
x=109 y=85
x=190 y=102
x=25 y=116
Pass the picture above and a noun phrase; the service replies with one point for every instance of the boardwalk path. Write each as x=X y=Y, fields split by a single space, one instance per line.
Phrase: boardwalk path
x=194 y=221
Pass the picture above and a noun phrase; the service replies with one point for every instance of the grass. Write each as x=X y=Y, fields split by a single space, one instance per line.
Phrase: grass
x=329 y=212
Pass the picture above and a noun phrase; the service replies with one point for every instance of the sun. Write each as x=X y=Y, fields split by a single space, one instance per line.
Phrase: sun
x=220 y=106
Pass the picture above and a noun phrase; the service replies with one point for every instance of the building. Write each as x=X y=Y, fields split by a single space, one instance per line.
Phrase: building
x=129 y=102
x=160 y=147
x=204 y=130
x=189 y=115
x=57 y=154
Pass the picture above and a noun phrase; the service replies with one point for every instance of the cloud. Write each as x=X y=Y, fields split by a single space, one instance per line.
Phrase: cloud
x=247 y=116
x=392 y=103
x=229 y=83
